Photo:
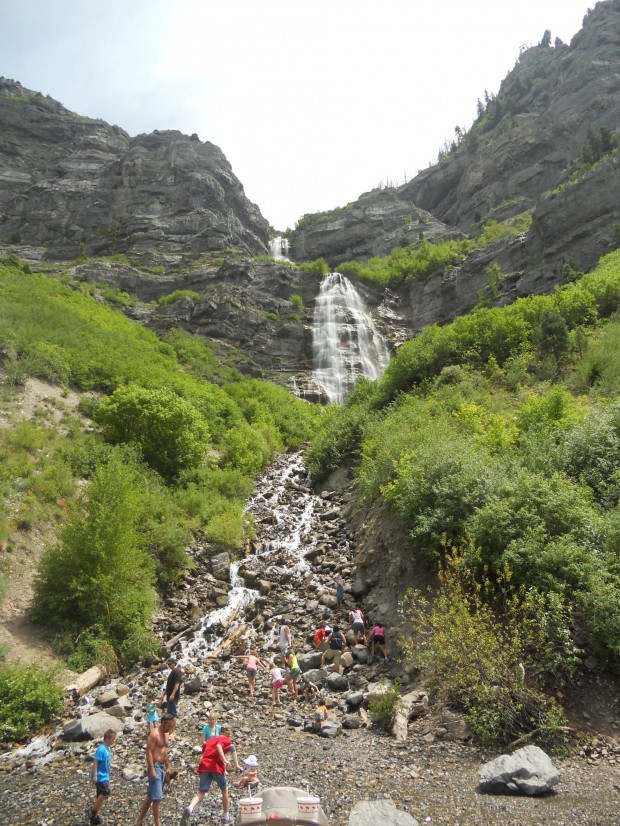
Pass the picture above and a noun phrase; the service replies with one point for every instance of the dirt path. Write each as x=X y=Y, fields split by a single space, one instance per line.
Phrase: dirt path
x=18 y=636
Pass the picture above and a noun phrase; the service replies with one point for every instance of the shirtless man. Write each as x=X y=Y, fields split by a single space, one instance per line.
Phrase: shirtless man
x=157 y=762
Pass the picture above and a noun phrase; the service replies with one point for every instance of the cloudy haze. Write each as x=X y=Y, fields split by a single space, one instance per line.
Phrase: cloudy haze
x=312 y=103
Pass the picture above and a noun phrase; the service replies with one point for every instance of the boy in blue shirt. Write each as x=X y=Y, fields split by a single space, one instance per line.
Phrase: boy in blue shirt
x=102 y=764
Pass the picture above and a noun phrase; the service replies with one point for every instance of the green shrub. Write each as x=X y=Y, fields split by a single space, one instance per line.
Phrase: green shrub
x=177 y=295
x=441 y=481
x=30 y=696
x=229 y=528
x=92 y=647
x=339 y=437
x=171 y=433
x=317 y=267
x=382 y=709
x=99 y=573
x=484 y=657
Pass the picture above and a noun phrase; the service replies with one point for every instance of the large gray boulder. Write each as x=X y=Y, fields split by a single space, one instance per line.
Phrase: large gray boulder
x=374 y=812
x=220 y=567
x=528 y=771
x=337 y=682
x=91 y=727
x=310 y=661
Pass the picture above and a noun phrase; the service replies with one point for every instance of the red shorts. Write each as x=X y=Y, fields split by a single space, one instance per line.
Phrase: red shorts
x=278 y=684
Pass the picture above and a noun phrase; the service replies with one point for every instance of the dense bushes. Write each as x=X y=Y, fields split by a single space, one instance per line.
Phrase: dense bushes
x=170 y=432
x=100 y=574
x=30 y=696
x=471 y=438
x=175 y=457
x=484 y=647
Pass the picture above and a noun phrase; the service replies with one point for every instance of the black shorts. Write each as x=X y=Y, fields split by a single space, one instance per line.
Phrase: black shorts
x=103 y=788
x=379 y=640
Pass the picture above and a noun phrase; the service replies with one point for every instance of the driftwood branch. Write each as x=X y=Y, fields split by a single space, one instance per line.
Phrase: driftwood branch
x=531 y=734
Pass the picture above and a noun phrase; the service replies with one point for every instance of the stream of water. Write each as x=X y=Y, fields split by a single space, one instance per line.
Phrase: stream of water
x=286 y=531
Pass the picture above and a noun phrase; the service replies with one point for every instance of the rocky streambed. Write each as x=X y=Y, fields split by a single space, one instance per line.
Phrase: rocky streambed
x=225 y=609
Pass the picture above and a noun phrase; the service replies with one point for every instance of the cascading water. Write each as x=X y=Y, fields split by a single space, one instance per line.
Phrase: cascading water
x=278 y=248
x=346 y=342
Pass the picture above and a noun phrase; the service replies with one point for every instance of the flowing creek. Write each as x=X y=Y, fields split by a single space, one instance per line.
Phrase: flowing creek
x=285 y=515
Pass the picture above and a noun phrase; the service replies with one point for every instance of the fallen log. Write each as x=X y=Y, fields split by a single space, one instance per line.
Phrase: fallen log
x=296 y=486
x=86 y=681
x=226 y=643
x=168 y=645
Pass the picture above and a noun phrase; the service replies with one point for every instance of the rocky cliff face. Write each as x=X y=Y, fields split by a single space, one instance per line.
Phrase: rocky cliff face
x=373 y=225
x=71 y=183
x=528 y=136
x=243 y=306
x=518 y=157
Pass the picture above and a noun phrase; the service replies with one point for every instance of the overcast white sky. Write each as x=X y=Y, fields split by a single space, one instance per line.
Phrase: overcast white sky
x=312 y=101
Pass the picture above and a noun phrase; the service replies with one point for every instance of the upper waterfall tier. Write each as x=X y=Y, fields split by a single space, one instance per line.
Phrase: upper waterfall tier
x=346 y=342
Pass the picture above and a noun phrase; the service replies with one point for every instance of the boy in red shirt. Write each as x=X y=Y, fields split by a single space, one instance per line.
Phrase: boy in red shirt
x=213 y=767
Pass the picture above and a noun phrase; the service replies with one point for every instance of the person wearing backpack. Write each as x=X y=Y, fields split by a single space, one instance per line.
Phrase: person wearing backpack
x=336 y=645
x=100 y=773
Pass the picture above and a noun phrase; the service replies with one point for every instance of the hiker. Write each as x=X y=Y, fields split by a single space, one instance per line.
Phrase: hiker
x=285 y=640
x=250 y=773
x=293 y=673
x=277 y=681
x=102 y=763
x=310 y=689
x=213 y=767
x=212 y=727
x=357 y=619
x=319 y=637
x=377 y=637
x=336 y=643
x=339 y=590
x=172 y=692
x=152 y=717
x=252 y=664
x=157 y=762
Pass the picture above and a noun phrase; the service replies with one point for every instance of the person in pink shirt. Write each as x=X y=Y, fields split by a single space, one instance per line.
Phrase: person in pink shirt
x=252 y=664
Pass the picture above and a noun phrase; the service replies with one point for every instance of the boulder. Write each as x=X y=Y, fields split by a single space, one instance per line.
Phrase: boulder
x=373 y=812
x=310 y=660
x=360 y=653
x=376 y=691
x=336 y=682
x=528 y=771
x=351 y=721
x=220 y=567
x=359 y=586
x=107 y=698
x=195 y=684
x=330 y=730
x=347 y=659
x=91 y=727
x=317 y=675
x=132 y=772
x=408 y=707
x=355 y=699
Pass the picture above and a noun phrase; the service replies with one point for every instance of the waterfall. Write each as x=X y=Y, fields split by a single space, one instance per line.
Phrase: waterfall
x=346 y=344
x=278 y=248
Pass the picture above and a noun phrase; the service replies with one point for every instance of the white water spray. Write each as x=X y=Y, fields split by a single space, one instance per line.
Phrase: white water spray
x=278 y=248
x=346 y=342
